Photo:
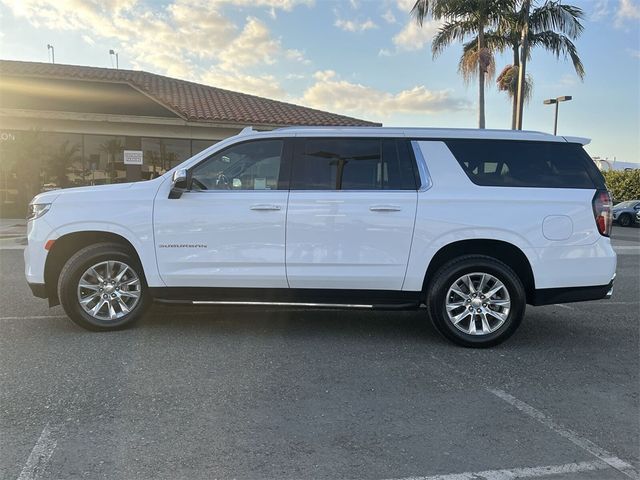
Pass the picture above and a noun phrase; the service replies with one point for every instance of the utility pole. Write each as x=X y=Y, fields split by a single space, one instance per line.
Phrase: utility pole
x=53 y=52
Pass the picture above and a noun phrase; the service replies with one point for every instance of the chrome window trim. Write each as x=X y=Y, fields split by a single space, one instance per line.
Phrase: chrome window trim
x=423 y=170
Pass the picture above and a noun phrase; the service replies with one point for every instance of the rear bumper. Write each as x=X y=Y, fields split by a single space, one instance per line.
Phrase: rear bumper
x=548 y=296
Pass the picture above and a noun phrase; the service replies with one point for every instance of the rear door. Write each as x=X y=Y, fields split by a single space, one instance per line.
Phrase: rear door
x=351 y=213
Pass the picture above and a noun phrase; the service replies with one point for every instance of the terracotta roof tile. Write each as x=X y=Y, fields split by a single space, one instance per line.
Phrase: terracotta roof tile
x=192 y=101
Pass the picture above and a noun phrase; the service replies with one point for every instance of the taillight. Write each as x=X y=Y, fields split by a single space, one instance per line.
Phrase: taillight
x=602 y=205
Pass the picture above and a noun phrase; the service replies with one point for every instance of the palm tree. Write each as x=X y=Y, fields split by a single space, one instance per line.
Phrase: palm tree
x=112 y=147
x=552 y=26
x=60 y=161
x=461 y=19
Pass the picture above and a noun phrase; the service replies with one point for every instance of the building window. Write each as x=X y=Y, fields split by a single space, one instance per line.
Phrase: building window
x=105 y=159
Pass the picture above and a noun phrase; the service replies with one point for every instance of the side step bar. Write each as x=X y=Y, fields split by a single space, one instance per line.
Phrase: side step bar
x=389 y=306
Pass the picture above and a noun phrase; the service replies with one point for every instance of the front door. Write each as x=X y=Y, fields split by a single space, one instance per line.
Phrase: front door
x=351 y=213
x=229 y=229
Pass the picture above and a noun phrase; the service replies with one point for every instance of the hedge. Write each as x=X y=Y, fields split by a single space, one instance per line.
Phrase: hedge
x=623 y=184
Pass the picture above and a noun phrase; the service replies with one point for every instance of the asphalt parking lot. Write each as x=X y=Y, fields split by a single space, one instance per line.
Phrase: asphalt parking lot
x=248 y=393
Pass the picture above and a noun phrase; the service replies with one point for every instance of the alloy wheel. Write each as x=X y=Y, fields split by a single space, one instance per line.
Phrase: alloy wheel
x=109 y=290
x=478 y=303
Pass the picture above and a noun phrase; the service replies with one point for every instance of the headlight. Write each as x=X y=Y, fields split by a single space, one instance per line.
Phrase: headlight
x=37 y=210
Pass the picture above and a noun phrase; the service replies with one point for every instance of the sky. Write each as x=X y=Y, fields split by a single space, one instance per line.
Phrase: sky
x=363 y=58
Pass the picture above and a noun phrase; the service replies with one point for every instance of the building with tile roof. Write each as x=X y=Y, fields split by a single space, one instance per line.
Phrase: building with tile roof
x=82 y=119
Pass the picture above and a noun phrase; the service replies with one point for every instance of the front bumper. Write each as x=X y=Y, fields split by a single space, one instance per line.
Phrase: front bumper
x=548 y=296
x=38 y=289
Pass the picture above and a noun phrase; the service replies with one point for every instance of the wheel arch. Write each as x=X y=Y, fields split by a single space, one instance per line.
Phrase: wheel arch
x=506 y=252
x=67 y=245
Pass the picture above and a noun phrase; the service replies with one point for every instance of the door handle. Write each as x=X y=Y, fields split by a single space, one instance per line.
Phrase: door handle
x=265 y=206
x=385 y=208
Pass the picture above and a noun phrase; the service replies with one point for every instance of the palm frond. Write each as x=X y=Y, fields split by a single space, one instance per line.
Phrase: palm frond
x=556 y=16
x=451 y=31
x=559 y=45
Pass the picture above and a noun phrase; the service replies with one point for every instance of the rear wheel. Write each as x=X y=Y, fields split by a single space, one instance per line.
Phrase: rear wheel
x=476 y=301
x=624 y=220
x=102 y=287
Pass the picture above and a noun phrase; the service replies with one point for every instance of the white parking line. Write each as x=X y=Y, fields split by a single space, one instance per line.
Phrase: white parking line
x=563 y=306
x=513 y=473
x=33 y=317
x=39 y=456
x=573 y=437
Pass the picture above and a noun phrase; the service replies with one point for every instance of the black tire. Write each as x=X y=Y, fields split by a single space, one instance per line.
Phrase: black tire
x=74 y=269
x=624 y=220
x=445 y=277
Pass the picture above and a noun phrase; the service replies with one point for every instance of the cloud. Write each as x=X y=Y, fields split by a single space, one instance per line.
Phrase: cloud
x=600 y=10
x=254 y=45
x=332 y=93
x=414 y=37
x=389 y=17
x=88 y=40
x=627 y=10
x=354 y=25
x=191 y=39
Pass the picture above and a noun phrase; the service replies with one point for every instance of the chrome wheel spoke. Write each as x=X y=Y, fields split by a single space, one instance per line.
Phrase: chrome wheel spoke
x=130 y=293
x=89 y=299
x=123 y=270
x=500 y=316
x=454 y=305
x=459 y=292
x=123 y=306
x=485 y=324
x=472 y=326
x=88 y=286
x=469 y=283
x=458 y=318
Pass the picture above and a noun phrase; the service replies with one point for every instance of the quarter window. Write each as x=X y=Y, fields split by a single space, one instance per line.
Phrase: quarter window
x=246 y=166
x=352 y=164
x=509 y=163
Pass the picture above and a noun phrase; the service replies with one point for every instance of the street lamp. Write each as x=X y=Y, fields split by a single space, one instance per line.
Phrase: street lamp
x=53 y=53
x=113 y=52
x=557 y=101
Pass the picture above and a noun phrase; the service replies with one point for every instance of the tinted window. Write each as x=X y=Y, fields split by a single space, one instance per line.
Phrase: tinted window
x=509 y=163
x=352 y=164
x=247 y=166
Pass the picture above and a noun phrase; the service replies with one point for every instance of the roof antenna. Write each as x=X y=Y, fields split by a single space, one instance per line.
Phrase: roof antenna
x=53 y=53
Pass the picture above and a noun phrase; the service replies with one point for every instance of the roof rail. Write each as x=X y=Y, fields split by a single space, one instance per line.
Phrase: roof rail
x=247 y=131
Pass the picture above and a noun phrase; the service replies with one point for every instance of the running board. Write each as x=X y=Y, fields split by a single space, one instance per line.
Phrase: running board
x=388 y=306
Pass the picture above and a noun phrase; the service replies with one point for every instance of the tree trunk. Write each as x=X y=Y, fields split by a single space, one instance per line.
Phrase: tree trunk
x=514 y=98
x=481 y=72
x=524 y=53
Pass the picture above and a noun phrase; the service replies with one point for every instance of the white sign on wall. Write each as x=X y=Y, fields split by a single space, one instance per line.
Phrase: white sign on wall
x=133 y=157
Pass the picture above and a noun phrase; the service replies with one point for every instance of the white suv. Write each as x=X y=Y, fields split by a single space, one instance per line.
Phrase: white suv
x=471 y=224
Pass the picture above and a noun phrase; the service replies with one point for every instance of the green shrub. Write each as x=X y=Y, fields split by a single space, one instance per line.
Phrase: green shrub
x=623 y=184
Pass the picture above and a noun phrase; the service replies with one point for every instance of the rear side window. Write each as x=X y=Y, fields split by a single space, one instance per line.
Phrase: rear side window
x=352 y=164
x=507 y=163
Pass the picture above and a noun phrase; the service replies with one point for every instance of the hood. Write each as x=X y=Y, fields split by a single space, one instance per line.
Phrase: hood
x=49 y=197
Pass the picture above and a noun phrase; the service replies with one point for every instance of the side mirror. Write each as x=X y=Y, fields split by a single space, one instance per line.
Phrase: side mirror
x=179 y=183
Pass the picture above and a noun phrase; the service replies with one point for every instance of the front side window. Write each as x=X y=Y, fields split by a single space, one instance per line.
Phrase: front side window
x=352 y=164
x=246 y=166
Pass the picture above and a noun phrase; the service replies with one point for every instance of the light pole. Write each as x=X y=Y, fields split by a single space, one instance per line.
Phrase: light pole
x=556 y=101
x=53 y=53
x=113 y=52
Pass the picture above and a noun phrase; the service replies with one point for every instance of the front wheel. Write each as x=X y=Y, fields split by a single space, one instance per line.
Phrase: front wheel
x=102 y=287
x=476 y=301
